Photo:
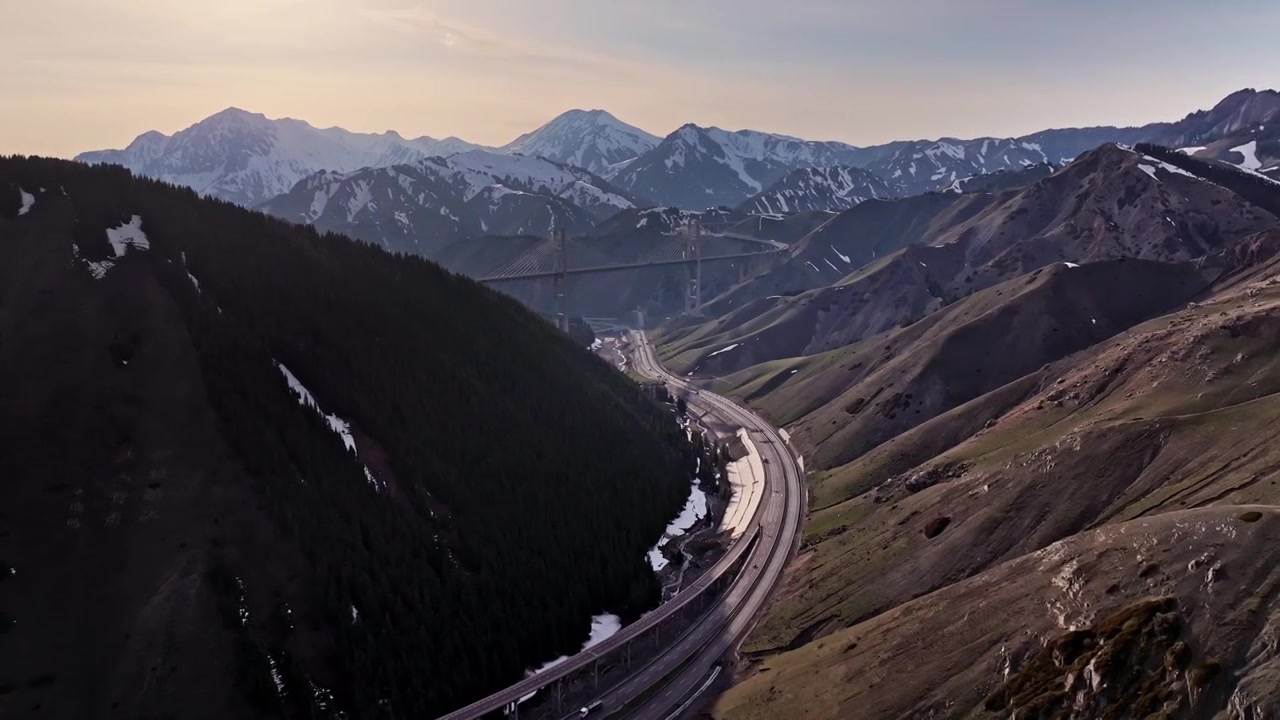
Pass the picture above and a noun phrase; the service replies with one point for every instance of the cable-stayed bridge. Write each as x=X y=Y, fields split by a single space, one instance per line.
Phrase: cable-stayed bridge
x=550 y=259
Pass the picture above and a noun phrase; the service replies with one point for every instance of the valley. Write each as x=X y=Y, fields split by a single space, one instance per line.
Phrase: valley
x=592 y=421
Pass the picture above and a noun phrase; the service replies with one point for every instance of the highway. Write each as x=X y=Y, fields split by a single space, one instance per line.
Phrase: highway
x=695 y=652
x=780 y=525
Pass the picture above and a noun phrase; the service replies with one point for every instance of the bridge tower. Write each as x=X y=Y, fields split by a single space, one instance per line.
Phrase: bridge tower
x=693 y=269
x=560 y=280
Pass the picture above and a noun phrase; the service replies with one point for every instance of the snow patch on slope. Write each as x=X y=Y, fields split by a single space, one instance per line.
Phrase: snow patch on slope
x=339 y=426
x=695 y=508
x=28 y=201
x=128 y=236
x=603 y=627
x=1250 y=152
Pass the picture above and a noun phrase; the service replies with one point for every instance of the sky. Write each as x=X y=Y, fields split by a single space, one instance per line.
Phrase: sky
x=90 y=74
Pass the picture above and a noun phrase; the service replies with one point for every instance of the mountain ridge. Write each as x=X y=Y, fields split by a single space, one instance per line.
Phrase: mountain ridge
x=247 y=158
x=832 y=188
x=425 y=205
x=692 y=167
x=1110 y=203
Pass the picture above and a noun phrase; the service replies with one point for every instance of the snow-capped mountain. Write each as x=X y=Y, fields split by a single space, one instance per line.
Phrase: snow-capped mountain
x=830 y=188
x=247 y=158
x=420 y=207
x=696 y=167
x=590 y=139
x=925 y=165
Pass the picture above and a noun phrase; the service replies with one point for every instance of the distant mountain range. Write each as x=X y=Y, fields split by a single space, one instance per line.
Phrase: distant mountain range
x=249 y=159
x=887 y=264
x=422 y=206
x=697 y=167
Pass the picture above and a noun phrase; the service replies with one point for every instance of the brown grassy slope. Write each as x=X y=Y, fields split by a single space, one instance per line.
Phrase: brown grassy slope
x=848 y=401
x=1169 y=616
x=1241 y=264
x=118 y=485
x=1108 y=204
x=871 y=230
x=772 y=328
x=1178 y=412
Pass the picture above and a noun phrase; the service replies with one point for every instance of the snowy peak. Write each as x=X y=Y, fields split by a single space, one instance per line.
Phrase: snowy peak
x=832 y=189
x=590 y=139
x=247 y=158
x=235 y=116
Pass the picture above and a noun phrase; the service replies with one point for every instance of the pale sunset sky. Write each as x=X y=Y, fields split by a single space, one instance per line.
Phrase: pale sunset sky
x=91 y=74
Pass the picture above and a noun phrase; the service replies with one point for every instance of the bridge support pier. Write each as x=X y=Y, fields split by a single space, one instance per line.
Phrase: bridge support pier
x=560 y=280
x=691 y=252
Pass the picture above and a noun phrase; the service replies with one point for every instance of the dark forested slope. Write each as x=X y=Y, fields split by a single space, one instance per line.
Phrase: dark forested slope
x=181 y=536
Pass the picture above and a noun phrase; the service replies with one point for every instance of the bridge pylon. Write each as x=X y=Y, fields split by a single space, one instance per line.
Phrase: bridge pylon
x=693 y=269
x=560 y=280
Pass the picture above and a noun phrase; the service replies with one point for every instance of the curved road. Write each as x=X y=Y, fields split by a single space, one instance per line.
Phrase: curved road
x=674 y=676
x=780 y=525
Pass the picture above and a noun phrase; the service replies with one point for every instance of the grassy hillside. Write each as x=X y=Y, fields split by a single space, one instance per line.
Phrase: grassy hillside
x=1156 y=617
x=995 y=499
